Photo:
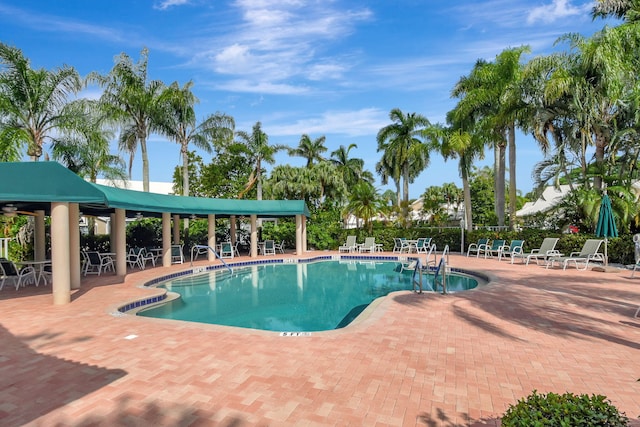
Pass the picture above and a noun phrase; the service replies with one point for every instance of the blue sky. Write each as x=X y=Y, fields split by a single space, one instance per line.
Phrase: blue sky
x=333 y=68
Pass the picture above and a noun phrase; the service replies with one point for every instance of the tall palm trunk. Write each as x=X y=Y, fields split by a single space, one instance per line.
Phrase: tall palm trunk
x=145 y=164
x=405 y=195
x=185 y=183
x=512 y=176
x=466 y=188
x=499 y=172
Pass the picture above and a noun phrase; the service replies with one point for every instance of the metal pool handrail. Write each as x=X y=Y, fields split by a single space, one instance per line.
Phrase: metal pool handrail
x=212 y=250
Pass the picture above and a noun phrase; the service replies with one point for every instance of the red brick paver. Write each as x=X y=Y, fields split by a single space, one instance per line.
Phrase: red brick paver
x=436 y=360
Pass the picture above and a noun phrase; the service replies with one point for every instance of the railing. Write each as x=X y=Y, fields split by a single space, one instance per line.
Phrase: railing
x=199 y=249
x=442 y=270
x=418 y=271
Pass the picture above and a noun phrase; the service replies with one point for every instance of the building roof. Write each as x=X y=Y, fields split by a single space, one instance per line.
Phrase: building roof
x=30 y=186
x=549 y=198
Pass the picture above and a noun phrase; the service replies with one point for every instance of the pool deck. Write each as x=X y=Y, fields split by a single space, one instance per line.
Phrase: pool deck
x=415 y=360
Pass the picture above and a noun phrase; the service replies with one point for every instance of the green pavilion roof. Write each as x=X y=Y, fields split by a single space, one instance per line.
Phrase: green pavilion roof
x=34 y=185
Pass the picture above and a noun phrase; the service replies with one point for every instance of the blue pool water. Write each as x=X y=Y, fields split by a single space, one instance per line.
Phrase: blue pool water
x=289 y=297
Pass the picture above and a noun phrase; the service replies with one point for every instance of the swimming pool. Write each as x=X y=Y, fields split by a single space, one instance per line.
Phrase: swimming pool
x=296 y=297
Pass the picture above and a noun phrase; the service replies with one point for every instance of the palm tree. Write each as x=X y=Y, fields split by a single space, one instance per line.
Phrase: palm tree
x=352 y=169
x=627 y=9
x=33 y=103
x=134 y=103
x=491 y=94
x=364 y=202
x=179 y=124
x=310 y=150
x=86 y=151
x=402 y=142
x=386 y=168
x=258 y=150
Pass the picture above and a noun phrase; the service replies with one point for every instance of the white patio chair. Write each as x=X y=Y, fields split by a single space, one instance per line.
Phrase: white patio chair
x=19 y=277
x=349 y=246
x=369 y=245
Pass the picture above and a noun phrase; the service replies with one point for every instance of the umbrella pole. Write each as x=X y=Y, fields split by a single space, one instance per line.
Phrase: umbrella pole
x=606 y=257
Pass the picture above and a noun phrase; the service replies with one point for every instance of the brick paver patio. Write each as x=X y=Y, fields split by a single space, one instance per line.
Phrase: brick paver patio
x=430 y=359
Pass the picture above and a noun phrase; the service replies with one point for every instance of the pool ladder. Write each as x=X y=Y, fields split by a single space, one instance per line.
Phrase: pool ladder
x=441 y=269
x=198 y=250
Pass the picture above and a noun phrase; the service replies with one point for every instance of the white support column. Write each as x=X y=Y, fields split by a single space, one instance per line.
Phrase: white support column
x=304 y=233
x=212 y=236
x=176 y=229
x=298 y=234
x=166 y=239
x=232 y=229
x=39 y=240
x=74 y=245
x=112 y=232
x=119 y=233
x=60 y=253
x=254 y=236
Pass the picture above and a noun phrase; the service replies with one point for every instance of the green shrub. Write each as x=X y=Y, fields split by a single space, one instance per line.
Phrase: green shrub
x=568 y=410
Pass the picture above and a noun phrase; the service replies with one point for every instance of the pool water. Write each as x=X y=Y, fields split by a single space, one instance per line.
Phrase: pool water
x=300 y=297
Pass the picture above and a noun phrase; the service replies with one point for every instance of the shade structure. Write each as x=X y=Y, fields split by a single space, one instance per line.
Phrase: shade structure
x=606 y=226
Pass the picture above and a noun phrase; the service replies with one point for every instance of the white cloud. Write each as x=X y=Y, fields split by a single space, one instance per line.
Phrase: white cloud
x=557 y=10
x=280 y=42
x=166 y=4
x=366 y=121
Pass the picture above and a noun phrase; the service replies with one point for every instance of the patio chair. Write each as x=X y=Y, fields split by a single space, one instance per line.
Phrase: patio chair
x=138 y=257
x=226 y=250
x=369 y=245
x=19 y=277
x=476 y=247
x=280 y=247
x=546 y=250
x=588 y=253
x=96 y=263
x=423 y=244
x=269 y=247
x=349 y=246
x=397 y=244
x=493 y=249
x=176 y=254
x=514 y=248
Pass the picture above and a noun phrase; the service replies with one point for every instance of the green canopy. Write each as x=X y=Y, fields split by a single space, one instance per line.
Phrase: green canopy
x=33 y=186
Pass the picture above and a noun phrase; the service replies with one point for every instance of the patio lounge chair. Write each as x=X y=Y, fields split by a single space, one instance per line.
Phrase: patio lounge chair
x=423 y=244
x=176 y=254
x=476 y=247
x=514 y=248
x=95 y=263
x=546 y=250
x=493 y=249
x=226 y=250
x=269 y=247
x=349 y=246
x=589 y=252
x=20 y=277
x=369 y=245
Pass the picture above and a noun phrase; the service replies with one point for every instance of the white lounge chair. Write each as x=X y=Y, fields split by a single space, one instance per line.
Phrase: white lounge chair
x=369 y=245
x=547 y=249
x=589 y=252
x=349 y=246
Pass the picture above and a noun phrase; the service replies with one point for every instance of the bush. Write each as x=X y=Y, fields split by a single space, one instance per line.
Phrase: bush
x=563 y=410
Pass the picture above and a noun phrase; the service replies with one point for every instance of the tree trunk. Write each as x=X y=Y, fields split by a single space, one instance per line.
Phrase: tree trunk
x=405 y=195
x=499 y=181
x=512 y=176
x=145 y=164
x=185 y=184
x=466 y=188
x=600 y=144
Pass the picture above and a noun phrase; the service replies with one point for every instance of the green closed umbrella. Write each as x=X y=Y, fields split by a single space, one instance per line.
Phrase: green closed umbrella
x=606 y=223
